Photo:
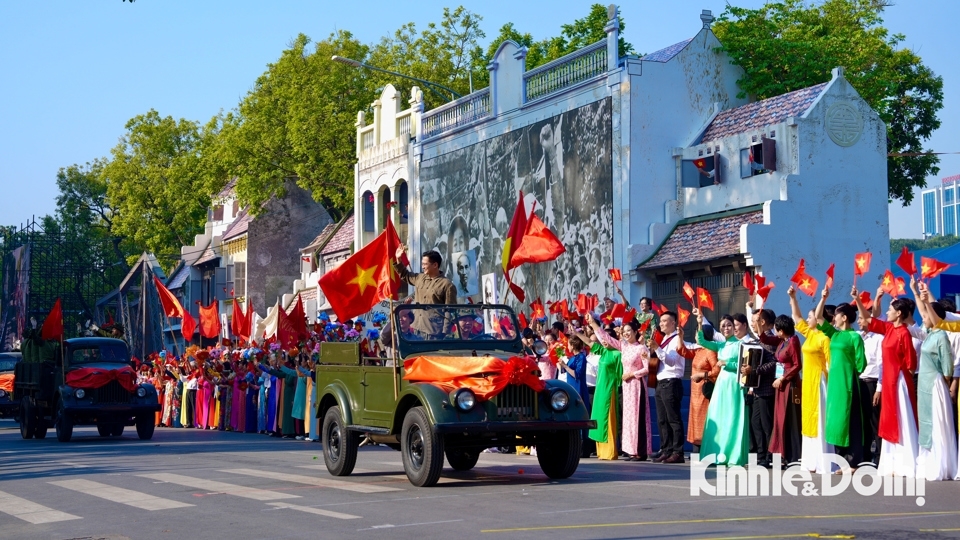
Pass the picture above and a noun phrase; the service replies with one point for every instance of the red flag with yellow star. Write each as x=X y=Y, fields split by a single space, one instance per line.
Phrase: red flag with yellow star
x=931 y=268
x=889 y=283
x=364 y=279
x=861 y=263
x=688 y=292
x=704 y=299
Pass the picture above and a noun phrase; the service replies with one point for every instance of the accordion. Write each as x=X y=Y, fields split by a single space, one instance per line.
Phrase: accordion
x=750 y=355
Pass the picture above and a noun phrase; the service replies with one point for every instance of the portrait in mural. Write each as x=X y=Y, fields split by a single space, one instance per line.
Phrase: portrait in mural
x=464 y=273
x=563 y=166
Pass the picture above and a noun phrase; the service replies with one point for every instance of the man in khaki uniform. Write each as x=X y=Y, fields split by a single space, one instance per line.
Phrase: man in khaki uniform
x=431 y=288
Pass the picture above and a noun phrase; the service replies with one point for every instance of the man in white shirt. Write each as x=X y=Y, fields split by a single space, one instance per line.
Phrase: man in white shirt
x=868 y=388
x=669 y=391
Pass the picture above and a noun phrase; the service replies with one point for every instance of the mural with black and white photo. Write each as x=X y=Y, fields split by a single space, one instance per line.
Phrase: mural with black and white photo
x=563 y=166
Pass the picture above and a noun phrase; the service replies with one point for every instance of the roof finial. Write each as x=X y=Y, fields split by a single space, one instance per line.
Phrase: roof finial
x=707 y=17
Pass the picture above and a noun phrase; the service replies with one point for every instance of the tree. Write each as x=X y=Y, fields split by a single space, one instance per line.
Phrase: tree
x=788 y=45
x=156 y=187
x=296 y=122
x=916 y=244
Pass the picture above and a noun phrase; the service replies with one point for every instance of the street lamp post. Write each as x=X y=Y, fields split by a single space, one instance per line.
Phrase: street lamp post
x=432 y=86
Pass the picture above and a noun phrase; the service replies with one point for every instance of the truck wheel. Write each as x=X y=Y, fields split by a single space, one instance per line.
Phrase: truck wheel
x=559 y=454
x=40 y=432
x=145 y=427
x=104 y=429
x=27 y=417
x=462 y=459
x=117 y=430
x=340 y=445
x=64 y=425
x=421 y=449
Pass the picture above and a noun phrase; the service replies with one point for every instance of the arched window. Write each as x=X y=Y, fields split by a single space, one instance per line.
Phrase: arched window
x=367 y=206
x=384 y=208
x=403 y=202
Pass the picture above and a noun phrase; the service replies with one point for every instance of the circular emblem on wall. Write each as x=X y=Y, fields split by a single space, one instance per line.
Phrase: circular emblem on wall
x=844 y=124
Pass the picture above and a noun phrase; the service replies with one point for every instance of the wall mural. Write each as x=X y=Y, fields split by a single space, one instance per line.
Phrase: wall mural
x=467 y=199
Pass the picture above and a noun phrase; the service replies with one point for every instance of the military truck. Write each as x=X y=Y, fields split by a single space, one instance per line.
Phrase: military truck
x=83 y=387
x=8 y=407
x=429 y=420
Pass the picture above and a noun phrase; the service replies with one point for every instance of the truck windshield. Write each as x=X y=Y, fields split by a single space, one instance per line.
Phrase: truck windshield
x=106 y=352
x=465 y=323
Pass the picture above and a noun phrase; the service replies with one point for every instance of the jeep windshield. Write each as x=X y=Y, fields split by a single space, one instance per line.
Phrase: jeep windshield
x=104 y=352
x=471 y=323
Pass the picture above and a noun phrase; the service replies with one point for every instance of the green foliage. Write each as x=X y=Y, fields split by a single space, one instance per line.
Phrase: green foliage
x=155 y=185
x=916 y=244
x=296 y=122
x=788 y=45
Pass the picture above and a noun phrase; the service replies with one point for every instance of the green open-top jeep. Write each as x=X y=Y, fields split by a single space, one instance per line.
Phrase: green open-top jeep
x=429 y=419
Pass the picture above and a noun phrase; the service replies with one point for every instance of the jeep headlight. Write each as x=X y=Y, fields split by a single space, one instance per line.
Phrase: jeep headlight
x=539 y=347
x=3 y=393
x=141 y=392
x=464 y=399
x=80 y=393
x=559 y=400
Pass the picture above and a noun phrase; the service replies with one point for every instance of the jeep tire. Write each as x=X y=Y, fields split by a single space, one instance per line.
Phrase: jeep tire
x=340 y=445
x=145 y=427
x=28 y=417
x=422 y=450
x=64 y=425
x=104 y=429
x=462 y=459
x=559 y=453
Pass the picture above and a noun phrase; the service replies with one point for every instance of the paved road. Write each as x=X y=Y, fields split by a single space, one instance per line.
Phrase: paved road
x=189 y=483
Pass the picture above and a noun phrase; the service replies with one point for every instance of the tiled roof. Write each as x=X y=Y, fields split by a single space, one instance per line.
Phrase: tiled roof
x=762 y=113
x=208 y=255
x=667 y=53
x=703 y=240
x=342 y=240
x=239 y=225
x=951 y=179
x=179 y=278
x=227 y=189
x=320 y=239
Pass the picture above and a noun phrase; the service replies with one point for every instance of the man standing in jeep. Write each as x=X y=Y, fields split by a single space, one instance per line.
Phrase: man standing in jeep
x=432 y=287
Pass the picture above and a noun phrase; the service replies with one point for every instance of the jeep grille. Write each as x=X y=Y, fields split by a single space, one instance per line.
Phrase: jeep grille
x=111 y=392
x=517 y=402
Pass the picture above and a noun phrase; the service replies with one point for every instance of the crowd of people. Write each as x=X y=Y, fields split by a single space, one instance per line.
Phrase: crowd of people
x=843 y=379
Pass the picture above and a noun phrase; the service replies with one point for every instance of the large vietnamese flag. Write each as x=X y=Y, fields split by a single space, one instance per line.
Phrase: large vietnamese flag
x=210 y=320
x=364 y=279
x=53 y=325
x=518 y=226
x=528 y=241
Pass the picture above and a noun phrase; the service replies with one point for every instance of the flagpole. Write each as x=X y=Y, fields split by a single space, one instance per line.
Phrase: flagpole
x=393 y=352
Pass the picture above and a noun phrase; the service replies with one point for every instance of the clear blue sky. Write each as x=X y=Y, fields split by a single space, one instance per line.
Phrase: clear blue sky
x=75 y=72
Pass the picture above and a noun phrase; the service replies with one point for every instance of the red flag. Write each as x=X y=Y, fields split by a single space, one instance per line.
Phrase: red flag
x=889 y=283
x=53 y=325
x=830 y=270
x=210 y=320
x=760 y=281
x=931 y=268
x=861 y=263
x=801 y=271
x=808 y=284
x=537 y=307
x=523 y=320
x=518 y=225
x=582 y=304
x=562 y=308
x=748 y=283
x=682 y=315
x=188 y=326
x=866 y=300
x=615 y=274
x=538 y=244
x=764 y=291
x=630 y=315
x=365 y=278
x=704 y=299
x=299 y=320
x=171 y=306
x=688 y=292
x=901 y=287
x=907 y=261
x=661 y=309
x=238 y=320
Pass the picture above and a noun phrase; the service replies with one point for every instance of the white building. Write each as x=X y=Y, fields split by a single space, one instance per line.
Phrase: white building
x=652 y=165
x=939 y=207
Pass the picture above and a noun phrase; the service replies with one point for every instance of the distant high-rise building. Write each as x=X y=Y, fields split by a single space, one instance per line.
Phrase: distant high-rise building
x=939 y=208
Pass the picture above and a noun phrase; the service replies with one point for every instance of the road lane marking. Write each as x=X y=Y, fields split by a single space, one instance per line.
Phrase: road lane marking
x=713 y=520
x=391 y=526
x=31 y=512
x=120 y=495
x=317 y=511
x=220 y=487
x=314 y=481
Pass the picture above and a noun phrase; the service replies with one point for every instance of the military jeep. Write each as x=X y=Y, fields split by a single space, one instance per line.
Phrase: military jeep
x=426 y=421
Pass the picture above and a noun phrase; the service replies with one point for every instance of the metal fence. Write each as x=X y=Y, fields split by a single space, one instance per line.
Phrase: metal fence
x=566 y=71
x=457 y=113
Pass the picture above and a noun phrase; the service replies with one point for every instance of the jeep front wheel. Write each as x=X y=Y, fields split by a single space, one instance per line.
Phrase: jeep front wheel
x=339 y=444
x=461 y=459
x=421 y=449
x=559 y=453
x=145 y=427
